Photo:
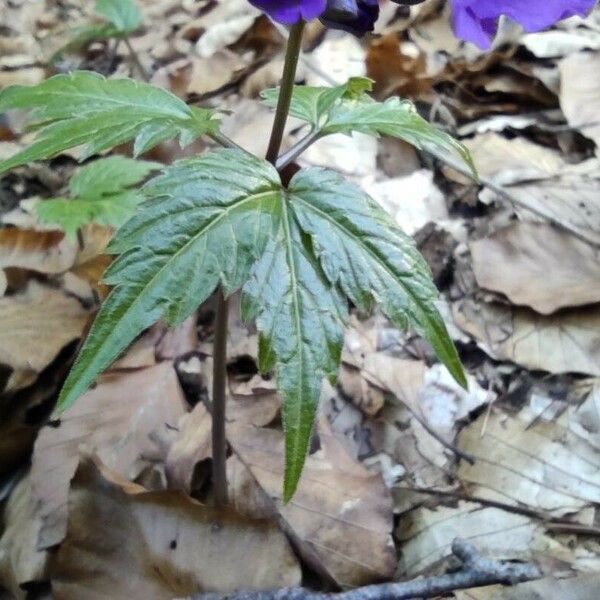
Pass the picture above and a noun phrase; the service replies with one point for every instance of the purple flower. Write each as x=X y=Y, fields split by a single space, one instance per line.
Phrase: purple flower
x=355 y=16
x=289 y=12
x=474 y=20
x=477 y=20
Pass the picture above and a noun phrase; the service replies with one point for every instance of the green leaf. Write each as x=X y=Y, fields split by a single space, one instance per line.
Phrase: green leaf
x=123 y=14
x=84 y=108
x=370 y=258
x=85 y=34
x=348 y=108
x=300 y=316
x=312 y=104
x=99 y=194
x=206 y=222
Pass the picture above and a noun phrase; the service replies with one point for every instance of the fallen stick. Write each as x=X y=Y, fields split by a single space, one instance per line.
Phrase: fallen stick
x=476 y=571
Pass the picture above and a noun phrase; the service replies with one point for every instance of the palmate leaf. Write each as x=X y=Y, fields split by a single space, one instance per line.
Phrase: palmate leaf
x=300 y=316
x=299 y=254
x=348 y=108
x=84 y=108
x=100 y=193
x=206 y=222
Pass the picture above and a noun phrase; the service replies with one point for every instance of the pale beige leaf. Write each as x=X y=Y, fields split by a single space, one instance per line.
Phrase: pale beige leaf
x=116 y=420
x=582 y=587
x=580 y=93
x=124 y=543
x=34 y=326
x=20 y=561
x=341 y=516
x=546 y=466
x=537 y=265
x=42 y=251
x=192 y=445
x=568 y=342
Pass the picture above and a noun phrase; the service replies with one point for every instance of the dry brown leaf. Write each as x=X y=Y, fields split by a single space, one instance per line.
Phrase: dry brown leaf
x=34 y=327
x=124 y=542
x=46 y=252
x=537 y=265
x=511 y=161
x=20 y=561
x=192 y=445
x=427 y=536
x=568 y=342
x=571 y=201
x=580 y=93
x=549 y=466
x=115 y=420
x=341 y=516
x=582 y=587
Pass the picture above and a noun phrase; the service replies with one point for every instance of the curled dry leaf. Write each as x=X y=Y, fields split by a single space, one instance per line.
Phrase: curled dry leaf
x=568 y=342
x=341 y=516
x=427 y=536
x=550 y=466
x=124 y=542
x=517 y=261
x=582 y=587
x=34 y=326
x=192 y=445
x=20 y=561
x=115 y=420
x=46 y=252
x=580 y=96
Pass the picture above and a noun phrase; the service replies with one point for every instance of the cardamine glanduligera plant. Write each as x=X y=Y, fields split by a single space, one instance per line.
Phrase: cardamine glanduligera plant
x=300 y=249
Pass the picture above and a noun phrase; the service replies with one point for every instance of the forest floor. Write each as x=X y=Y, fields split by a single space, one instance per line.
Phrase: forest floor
x=113 y=501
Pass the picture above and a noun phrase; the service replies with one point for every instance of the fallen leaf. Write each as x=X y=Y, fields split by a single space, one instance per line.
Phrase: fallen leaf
x=427 y=536
x=20 y=561
x=582 y=587
x=124 y=542
x=580 y=96
x=192 y=445
x=517 y=261
x=547 y=466
x=34 y=326
x=115 y=420
x=46 y=252
x=568 y=342
x=341 y=516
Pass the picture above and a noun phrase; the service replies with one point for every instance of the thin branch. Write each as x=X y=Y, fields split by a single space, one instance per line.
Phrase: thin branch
x=219 y=399
x=297 y=149
x=136 y=60
x=225 y=141
x=475 y=571
x=286 y=89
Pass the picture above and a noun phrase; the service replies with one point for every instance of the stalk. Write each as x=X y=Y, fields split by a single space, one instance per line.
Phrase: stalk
x=286 y=90
x=136 y=60
x=219 y=440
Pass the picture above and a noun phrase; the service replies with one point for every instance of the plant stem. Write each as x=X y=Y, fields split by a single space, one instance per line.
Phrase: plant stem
x=136 y=60
x=297 y=149
x=219 y=391
x=286 y=90
x=219 y=397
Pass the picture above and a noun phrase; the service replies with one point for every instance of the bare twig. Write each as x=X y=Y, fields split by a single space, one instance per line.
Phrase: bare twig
x=136 y=60
x=476 y=571
x=219 y=399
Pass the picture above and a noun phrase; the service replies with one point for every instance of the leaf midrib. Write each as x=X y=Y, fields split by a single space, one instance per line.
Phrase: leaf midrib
x=293 y=275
